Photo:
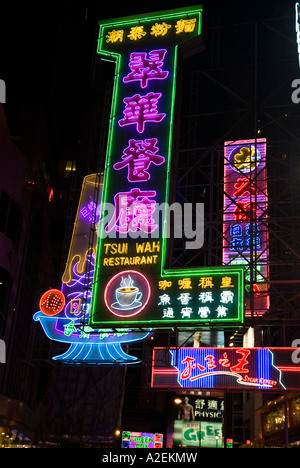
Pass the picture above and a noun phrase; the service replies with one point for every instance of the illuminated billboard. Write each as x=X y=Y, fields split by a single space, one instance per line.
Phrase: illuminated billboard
x=198 y=434
x=245 y=229
x=141 y=440
x=225 y=368
x=132 y=286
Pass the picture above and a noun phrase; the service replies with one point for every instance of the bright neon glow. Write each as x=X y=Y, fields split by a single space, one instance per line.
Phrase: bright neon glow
x=133 y=212
x=127 y=293
x=138 y=156
x=224 y=368
x=144 y=49
x=61 y=312
x=140 y=110
x=52 y=302
x=245 y=231
x=144 y=69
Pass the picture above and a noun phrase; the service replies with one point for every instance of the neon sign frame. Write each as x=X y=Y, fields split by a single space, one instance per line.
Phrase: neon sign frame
x=267 y=369
x=144 y=49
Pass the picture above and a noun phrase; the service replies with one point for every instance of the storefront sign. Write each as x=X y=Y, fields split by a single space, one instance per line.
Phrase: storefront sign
x=141 y=440
x=225 y=368
x=198 y=434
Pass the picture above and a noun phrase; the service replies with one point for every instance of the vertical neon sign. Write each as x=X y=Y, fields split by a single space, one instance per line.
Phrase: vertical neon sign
x=245 y=232
x=130 y=278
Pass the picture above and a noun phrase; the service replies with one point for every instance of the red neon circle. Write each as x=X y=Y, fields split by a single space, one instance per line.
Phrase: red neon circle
x=137 y=311
x=52 y=302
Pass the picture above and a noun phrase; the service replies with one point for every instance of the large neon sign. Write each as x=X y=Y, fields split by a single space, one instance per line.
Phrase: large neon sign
x=245 y=231
x=136 y=183
x=225 y=368
x=62 y=311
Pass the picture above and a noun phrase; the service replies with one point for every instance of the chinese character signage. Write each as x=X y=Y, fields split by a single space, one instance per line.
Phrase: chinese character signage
x=131 y=286
x=245 y=232
x=195 y=408
x=225 y=368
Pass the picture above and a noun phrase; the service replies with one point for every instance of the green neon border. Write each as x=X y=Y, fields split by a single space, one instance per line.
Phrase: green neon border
x=217 y=271
x=116 y=57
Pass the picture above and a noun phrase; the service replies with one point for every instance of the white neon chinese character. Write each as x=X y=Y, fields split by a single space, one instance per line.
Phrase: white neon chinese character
x=222 y=311
x=226 y=297
x=168 y=313
x=186 y=312
x=212 y=404
x=206 y=297
x=203 y=312
x=184 y=298
x=199 y=403
x=164 y=299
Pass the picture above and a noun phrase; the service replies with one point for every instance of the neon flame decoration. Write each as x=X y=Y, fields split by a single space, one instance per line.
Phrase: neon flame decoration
x=61 y=312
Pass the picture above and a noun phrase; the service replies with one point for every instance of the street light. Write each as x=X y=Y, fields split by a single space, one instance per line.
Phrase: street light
x=217 y=438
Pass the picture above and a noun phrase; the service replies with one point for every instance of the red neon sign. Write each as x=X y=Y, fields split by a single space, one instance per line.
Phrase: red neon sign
x=52 y=302
x=224 y=368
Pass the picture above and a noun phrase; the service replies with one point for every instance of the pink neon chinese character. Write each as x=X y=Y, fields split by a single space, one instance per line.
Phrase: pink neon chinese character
x=144 y=69
x=141 y=109
x=133 y=212
x=138 y=156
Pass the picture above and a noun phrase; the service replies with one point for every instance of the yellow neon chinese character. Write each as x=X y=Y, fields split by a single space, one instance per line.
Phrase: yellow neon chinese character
x=226 y=282
x=160 y=29
x=136 y=32
x=115 y=36
x=206 y=282
x=164 y=284
x=185 y=26
x=185 y=283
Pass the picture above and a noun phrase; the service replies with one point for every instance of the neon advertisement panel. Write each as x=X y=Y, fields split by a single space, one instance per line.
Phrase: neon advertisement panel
x=61 y=311
x=267 y=369
x=131 y=284
x=245 y=230
x=142 y=440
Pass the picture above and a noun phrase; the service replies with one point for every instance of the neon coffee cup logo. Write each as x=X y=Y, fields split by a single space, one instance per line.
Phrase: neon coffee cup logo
x=127 y=293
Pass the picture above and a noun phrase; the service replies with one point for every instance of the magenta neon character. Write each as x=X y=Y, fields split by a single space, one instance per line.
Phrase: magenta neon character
x=133 y=212
x=144 y=69
x=141 y=109
x=138 y=156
